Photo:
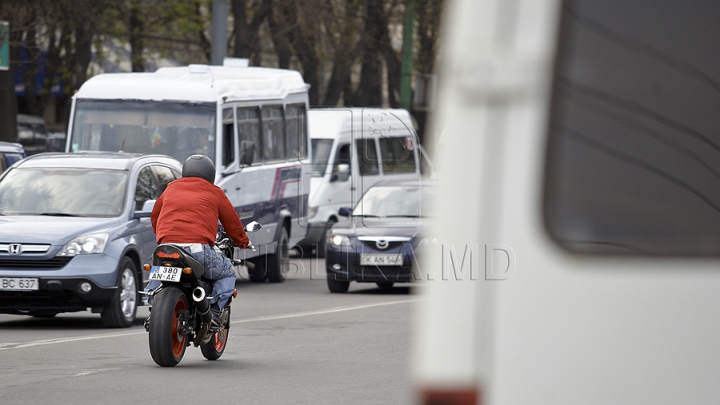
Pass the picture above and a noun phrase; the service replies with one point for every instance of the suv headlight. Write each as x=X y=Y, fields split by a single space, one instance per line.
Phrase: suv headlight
x=85 y=245
x=339 y=240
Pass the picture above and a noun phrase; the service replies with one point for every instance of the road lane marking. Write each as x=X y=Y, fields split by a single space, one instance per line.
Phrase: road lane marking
x=22 y=345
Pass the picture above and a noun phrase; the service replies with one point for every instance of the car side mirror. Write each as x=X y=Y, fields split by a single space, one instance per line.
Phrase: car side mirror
x=253 y=226
x=247 y=153
x=341 y=173
x=146 y=210
x=345 y=211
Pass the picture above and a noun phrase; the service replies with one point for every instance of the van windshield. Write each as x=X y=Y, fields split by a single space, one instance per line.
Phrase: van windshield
x=394 y=201
x=177 y=129
x=320 y=156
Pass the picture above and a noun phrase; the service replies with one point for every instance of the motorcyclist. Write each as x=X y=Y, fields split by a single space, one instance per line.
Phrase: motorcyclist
x=187 y=213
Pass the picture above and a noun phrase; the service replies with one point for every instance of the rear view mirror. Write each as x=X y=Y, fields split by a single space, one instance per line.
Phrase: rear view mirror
x=253 y=226
x=345 y=211
x=341 y=172
x=146 y=210
x=247 y=153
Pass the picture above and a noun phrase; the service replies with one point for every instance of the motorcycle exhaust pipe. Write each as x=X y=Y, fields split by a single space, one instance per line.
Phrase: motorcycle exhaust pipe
x=203 y=306
x=198 y=294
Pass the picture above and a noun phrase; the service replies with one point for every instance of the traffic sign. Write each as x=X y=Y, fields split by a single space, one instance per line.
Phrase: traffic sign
x=4 y=46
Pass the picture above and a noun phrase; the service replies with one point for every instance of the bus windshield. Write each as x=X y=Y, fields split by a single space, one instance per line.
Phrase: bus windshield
x=177 y=129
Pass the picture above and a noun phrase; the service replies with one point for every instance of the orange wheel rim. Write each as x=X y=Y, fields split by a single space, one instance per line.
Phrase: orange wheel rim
x=178 y=337
x=220 y=339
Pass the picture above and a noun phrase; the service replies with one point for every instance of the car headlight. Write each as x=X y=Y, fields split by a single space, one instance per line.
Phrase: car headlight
x=312 y=211
x=85 y=245
x=339 y=240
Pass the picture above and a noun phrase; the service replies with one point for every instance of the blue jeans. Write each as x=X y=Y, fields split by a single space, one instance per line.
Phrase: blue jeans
x=218 y=268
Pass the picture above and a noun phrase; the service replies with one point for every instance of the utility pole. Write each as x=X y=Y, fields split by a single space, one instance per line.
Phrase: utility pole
x=219 y=32
x=407 y=57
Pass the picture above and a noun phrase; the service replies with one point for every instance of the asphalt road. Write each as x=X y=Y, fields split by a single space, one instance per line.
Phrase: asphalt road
x=290 y=343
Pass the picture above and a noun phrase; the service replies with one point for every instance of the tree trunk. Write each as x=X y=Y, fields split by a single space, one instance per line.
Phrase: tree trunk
x=369 y=91
x=8 y=98
x=343 y=59
x=247 y=32
x=137 y=43
x=302 y=43
x=283 y=48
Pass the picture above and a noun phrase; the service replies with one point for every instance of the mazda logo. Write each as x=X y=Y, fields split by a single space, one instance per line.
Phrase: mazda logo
x=382 y=244
x=14 y=248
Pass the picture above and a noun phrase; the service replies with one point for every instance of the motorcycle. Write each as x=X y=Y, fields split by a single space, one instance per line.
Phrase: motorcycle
x=181 y=315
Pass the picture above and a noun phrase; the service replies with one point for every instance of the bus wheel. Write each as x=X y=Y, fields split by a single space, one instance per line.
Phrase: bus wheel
x=278 y=263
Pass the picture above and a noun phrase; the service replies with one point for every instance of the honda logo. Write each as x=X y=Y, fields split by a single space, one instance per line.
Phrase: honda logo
x=382 y=244
x=14 y=248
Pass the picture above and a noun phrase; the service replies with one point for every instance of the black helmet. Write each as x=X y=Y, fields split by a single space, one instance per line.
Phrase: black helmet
x=199 y=166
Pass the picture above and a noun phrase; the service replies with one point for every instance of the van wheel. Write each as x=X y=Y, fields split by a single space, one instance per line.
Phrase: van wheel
x=278 y=263
x=323 y=240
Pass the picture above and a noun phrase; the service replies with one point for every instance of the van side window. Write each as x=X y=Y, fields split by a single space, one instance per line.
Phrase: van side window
x=342 y=157
x=273 y=128
x=367 y=157
x=397 y=155
x=228 y=139
x=632 y=154
x=248 y=126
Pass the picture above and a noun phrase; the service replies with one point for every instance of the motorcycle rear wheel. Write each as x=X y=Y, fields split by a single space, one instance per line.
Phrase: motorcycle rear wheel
x=167 y=340
x=213 y=349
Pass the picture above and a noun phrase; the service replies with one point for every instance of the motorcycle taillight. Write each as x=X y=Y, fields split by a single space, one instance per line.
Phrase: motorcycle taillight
x=164 y=253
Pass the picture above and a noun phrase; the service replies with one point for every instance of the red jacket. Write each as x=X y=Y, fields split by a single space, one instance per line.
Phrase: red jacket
x=188 y=211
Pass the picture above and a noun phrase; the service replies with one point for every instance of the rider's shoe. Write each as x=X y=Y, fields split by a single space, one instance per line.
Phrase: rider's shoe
x=215 y=315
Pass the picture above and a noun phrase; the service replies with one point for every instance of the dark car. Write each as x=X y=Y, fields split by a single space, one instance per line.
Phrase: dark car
x=70 y=235
x=379 y=241
x=10 y=153
x=32 y=133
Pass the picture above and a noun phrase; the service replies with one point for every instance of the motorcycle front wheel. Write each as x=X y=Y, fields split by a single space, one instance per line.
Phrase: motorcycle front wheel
x=213 y=349
x=167 y=339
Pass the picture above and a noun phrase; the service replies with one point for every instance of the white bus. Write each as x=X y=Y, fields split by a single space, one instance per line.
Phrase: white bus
x=577 y=219
x=252 y=123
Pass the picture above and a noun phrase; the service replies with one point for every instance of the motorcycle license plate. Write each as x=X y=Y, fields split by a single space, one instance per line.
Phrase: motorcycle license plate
x=370 y=259
x=162 y=273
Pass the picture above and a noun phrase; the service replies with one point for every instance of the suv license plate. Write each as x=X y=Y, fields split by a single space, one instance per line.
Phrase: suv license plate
x=18 y=284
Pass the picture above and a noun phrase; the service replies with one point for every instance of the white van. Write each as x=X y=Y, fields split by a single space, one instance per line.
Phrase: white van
x=352 y=149
x=577 y=219
x=250 y=121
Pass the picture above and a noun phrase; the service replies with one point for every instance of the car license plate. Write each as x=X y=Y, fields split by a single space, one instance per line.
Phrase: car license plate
x=162 y=273
x=18 y=284
x=374 y=259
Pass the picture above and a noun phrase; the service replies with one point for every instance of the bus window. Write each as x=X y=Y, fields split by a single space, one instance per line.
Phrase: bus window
x=248 y=124
x=228 y=144
x=273 y=127
x=296 y=132
x=168 y=128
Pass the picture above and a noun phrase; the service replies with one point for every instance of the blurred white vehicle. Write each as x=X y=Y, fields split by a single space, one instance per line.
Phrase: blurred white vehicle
x=578 y=211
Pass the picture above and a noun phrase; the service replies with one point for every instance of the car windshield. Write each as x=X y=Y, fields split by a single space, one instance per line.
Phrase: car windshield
x=176 y=129
x=393 y=201
x=63 y=192
x=320 y=156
